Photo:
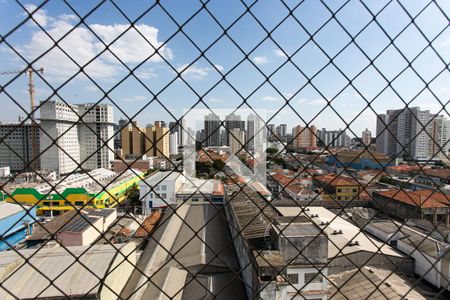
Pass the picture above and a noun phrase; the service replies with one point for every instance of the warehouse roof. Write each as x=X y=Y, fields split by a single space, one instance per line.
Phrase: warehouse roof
x=9 y=209
x=254 y=215
x=370 y=283
x=198 y=238
x=25 y=282
x=341 y=232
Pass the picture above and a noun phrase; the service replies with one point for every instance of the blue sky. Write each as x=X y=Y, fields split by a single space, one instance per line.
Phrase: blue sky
x=177 y=52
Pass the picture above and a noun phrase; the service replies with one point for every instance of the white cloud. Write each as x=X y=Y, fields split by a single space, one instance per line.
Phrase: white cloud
x=318 y=101
x=219 y=67
x=260 y=60
x=132 y=47
x=279 y=53
x=193 y=71
x=40 y=16
x=82 y=46
x=135 y=98
x=270 y=98
x=146 y=73
x=215 y=100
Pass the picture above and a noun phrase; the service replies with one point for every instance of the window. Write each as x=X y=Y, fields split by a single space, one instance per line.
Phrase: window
x=339 y=190
x=164 y=195
x=292 y=278
x=313 y=278
x=355 y=190
x=163 y=188
x=156 y=188
x=79 y=203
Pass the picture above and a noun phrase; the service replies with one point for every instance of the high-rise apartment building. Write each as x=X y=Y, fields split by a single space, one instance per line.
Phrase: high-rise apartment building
x=173 y=143
x=366 y=137
x=237 y=141
x=59 y=140
x=96 y=136
x=439 y=142
x=232 y=121
x=410 y=132
x=73 y=135
x=212 y=130
x=281 y=130
x=256 y=132
x=161 y=140
x=149 y=141
x=305 y=137
x=333 y=138
x=16 y=146
x=117 y=133
x=271 y=131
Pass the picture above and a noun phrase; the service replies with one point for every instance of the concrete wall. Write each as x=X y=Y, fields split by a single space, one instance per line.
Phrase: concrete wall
x=246 y=259
x=395 y=208
x=83 y=238
x=425 y=265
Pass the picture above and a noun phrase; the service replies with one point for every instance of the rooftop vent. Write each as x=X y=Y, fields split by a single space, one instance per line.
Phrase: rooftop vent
x=337 y=231
x=324 y=223
x=353 y=243
x=314 y=216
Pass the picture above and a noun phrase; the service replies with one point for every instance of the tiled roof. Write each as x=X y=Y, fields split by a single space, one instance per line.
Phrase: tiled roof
x=423 y=198
x=147 y=226
x=441 y=173
x=336 y=180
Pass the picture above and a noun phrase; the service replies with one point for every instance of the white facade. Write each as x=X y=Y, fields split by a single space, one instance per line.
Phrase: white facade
x=366 y=138
x=256 y=132
x=173 y=143
x=237 y=141
x=59 y=145
x=165 y=185
x=333 y=138
x=96 y=136
x=308 y=281
x=89 y=143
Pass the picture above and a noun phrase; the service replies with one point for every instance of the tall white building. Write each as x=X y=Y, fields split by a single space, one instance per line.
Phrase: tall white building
x=65 y=142
x=59 y=143
x=366 y=138
x=173 y=143
x=412 y=133
x=96 y=135
x=333 y=138
x=439 y=142
x=256 y=132
x=237 y=141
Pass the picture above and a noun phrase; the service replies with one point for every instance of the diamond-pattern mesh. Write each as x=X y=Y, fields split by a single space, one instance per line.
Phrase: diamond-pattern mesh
x=345 y=234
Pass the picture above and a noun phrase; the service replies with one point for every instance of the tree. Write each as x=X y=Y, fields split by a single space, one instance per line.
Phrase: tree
x=132 y=195
x=271 y=151
x=218 y=164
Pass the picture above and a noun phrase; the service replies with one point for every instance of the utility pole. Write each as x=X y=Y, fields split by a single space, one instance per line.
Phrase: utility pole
x=34 y=146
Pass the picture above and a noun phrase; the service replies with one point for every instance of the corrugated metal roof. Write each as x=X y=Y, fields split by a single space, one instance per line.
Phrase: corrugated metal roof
x=75 y=280
x=9 y=209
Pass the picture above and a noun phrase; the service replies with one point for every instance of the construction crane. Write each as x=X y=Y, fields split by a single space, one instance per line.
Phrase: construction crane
x=34 y=146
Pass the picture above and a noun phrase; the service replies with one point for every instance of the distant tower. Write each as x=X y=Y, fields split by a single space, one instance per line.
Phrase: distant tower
x=366 y=137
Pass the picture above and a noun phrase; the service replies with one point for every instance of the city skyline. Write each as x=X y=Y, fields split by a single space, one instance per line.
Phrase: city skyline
x=177 y=54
